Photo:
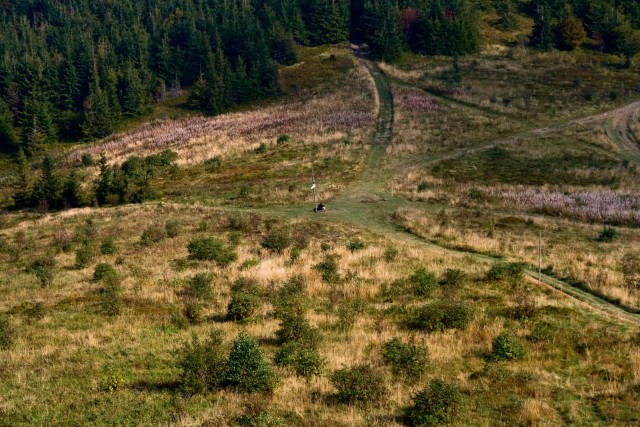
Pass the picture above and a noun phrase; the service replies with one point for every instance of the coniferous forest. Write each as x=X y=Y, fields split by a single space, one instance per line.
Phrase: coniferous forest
x=75 y=70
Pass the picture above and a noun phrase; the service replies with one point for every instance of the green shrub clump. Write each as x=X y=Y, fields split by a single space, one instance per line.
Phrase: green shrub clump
x=84 y=255
x=423 y=282
x=328 y=269
x=243 y=306
x=506 y=271
x=172 y=228
x=453 y=280
x=202 y=365
x=276 y=241
x=356 y=245
x=608 y=235
x=108 y=247
x=303 y=358
x=348 y=313
x=199 y=287
x=247 y=369
x=211 y=249
x=7 y=334
x=435 y=405
x=152 y=234
x=507 y=346
x=111 y=293
x=360 y=385
x=407 y=361
x=103 y=270
x=441 y=315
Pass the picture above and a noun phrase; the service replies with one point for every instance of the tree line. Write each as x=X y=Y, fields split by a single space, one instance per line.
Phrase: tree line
x=75 y=70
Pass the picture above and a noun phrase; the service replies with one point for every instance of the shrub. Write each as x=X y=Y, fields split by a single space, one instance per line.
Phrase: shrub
x=102 y=270
x=87 y=160
x=84 y=255
x=390 y=254
x=453 y=280
x=172 y=228
x=283 y=139
x=296 y=328
x=325 y=247
x=407 y=360
x=152 y=234
x=360 y=384
x=199 y=287
x=193 y=311
x=108 y=247
x=202 y=365
x=328 y=269
x=261 y=419
x=506 y=271
x=437 y=404
x=213 y=164
x=348 y=313
x=276 y=241
x=291 y=299
x=247 y=370
x=442 y=315
x=36 y=312
x=476 y=194
x=423 y=282
x=262 y=148
x=303 y=358
x=423 y=186
x=356 y=245
x=608 y=234
x=507 y=346
x=44 y=274
x=243 y=306
x=211 y=249
x=111 y=298
x=7 y=334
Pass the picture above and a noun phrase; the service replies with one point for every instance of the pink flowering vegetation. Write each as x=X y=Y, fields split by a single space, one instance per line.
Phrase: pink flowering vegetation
x=593 y=206
x=413 y=100
x=197 y=138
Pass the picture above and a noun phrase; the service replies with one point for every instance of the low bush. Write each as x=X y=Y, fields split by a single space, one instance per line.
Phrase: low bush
x=506 y=271
x=84 y=255
x=108 y=247
x=348 y=313
x=356 y=245
x=452 y=281
x=423 y=282
x=328 y=269
x=211 y=249
x=296 y=328
x=213 y=164
x=360 y=385
x=172 y=228
x=243 y=306
x=441 y=315
x=608 y=235
x=36 y=312
x=407 y=361
x=283 y=139
x=390 y=254
x=247 y=369
x=202 y=365
x=193 y=311
x=303 y=358
x=152 y=234
x=199 y=287
x=101 y=270
x=507 y=346
x=435 y=405
x=276 y=241
x=111 y=295
x=7 y=334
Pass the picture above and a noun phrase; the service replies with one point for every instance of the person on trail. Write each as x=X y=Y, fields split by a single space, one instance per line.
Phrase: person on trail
x=321 y=208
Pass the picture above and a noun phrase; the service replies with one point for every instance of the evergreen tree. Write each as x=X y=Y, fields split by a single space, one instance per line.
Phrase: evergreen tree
x=543 y=30
x=98 y=120
x=627 y=41
x=8 y=140
x=47 y=193
x=22 y=198
x=72 y=192
x=327 y=21
x=105 y=179
x=385 y=34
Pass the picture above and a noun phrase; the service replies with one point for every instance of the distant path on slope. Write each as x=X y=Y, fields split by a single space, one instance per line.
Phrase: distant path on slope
x=620 y=132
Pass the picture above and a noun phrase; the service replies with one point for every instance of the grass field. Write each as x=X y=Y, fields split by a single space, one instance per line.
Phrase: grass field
x=438 y=188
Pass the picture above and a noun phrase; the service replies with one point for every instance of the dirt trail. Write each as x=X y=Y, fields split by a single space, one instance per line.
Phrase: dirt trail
x=367 y=203
x=619 y=130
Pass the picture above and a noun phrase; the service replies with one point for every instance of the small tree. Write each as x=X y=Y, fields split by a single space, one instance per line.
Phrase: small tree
x=437 y=404
x=360 y=385
x=211 y=249
x=202 y=365
x=507 y=346
x=423 y=282
x=247 y=369
x=407 y=360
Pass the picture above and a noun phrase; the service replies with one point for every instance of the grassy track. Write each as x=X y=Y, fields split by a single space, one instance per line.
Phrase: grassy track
x=367 y=202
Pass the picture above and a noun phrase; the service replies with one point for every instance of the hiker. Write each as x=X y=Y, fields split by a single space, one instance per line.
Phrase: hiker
x=320 y=208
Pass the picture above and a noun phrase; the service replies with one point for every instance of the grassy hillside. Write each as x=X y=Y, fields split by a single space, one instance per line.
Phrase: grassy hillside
x=414 y=295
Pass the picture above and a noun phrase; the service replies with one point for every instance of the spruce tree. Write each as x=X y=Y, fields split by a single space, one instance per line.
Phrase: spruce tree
x=104 y=184
x=8 y=140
